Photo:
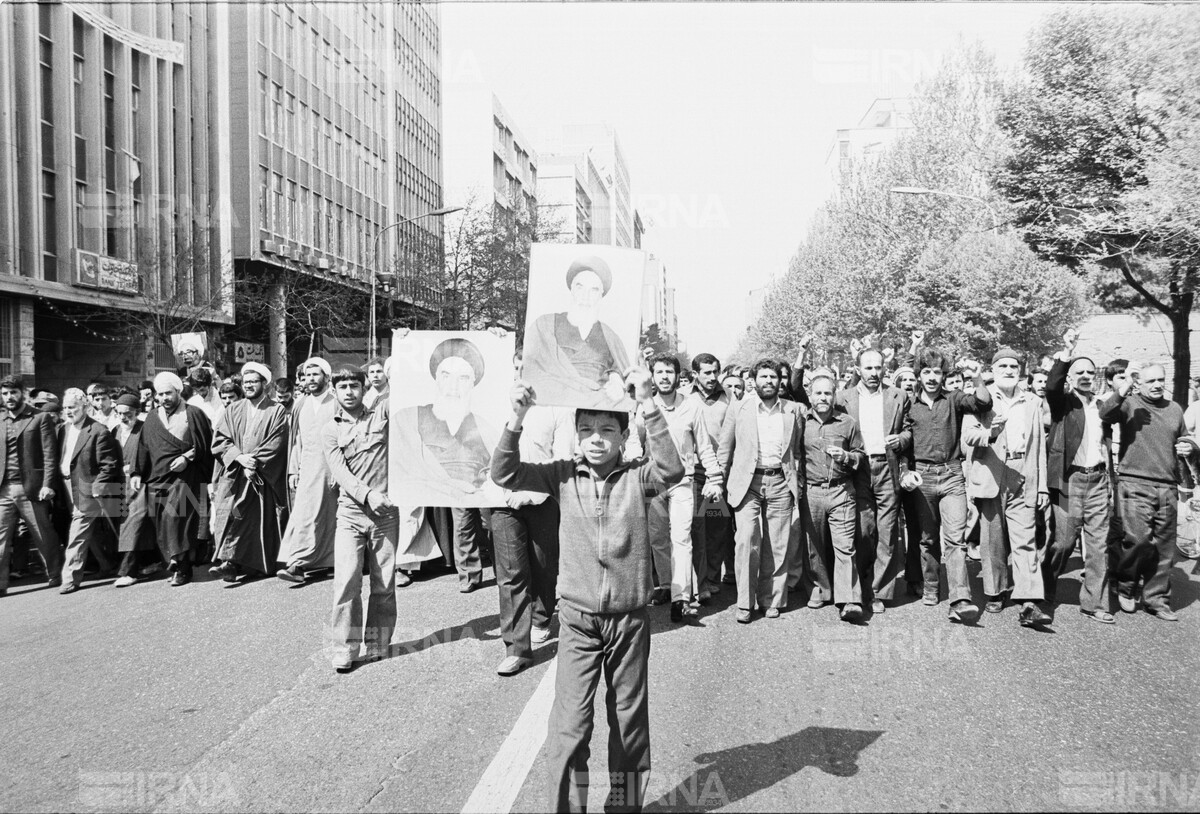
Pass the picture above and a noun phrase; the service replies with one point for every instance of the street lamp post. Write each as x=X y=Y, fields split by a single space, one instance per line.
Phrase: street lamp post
x=924 y=191
x=373 y=348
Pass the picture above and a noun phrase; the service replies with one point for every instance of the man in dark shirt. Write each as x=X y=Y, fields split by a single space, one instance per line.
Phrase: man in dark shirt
x=937 y=496
x=833 y=449
x=1153 y=434
x=26 y=487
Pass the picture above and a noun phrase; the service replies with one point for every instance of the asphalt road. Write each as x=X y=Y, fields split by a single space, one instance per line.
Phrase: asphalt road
x=208 y=697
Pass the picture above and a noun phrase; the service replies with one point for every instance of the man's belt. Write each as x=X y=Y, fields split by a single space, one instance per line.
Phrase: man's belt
x=949 y=466
x=1015 y=456
x=830 y=483
x=1100 y=467
x=759 y=470
x=877 y=457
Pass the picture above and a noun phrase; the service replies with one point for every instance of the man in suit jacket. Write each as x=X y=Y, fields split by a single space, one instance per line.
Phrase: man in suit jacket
x=92 y=476
x=27 y=480
x=1006 y=474
x=1078 y=459
x=760 y=451
x=881 y=413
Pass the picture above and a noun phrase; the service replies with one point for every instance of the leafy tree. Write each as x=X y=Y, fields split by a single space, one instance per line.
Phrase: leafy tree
x=1104 y=159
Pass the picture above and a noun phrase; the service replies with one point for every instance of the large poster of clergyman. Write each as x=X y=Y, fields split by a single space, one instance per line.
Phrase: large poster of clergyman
x=448 y=402
x=582 y=324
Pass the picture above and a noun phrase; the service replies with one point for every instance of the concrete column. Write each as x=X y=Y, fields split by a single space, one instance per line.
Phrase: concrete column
x=277 y=311
x=22 y=314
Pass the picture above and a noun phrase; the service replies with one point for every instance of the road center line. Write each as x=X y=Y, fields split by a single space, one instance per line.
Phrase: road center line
x=501 y=782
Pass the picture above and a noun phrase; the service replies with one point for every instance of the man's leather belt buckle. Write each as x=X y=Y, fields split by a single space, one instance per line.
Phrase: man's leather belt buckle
x=1087 y=470
x=762 y=471
x=1015 y=456
x=932 y=467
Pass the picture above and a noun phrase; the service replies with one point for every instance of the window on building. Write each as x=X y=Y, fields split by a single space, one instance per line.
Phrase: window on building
x=264 y=198
x=8 y=339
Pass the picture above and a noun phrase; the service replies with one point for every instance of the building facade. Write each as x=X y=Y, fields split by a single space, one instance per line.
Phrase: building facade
x=113 y=194
x=337 y=122
x=489 y=160
x=853 y=147
x=564 y=197
x=610 y=187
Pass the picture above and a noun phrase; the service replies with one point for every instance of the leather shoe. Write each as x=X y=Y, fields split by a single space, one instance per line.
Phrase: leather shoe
x=677 y=610
x=1162 y=612
x=539 y=635
x=180 y=578
x=403 y=580
x=467 y=587
x=1103 y=617
x=771 y=613
x=816 y=604
x=963 y=611
x=1128 y=603
x=511 y=665
x=929 y=598
x=994 y=606
x=54 y=582
x=1032 y=616
x=343 y=664
x=660 y=596
x=125 y=581
x=69 y=587
x=226 y=571
x=704 y=597
x=877 y=606
x=851 y=612
x=292 y=574
x=743 y=617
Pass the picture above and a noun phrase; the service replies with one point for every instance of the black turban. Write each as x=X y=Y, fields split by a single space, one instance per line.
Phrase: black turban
x=462 y=348
x=592 y=264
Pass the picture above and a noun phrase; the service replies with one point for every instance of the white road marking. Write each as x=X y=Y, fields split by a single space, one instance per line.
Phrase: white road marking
x=501 y=782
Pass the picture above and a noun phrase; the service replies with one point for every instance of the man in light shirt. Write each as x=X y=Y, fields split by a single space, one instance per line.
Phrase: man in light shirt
x=1077 y=466
x=760 y=452
x=881 y=413
x=1006 y=474
x=671 y=512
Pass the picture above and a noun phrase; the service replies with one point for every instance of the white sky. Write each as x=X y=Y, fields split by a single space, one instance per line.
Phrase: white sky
x=726 y=112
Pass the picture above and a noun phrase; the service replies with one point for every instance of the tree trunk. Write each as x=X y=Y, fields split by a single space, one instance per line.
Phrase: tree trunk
x=277 y=329
x=1181 y=347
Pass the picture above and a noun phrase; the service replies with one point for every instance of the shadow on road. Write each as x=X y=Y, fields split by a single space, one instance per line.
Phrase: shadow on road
x=732 y=774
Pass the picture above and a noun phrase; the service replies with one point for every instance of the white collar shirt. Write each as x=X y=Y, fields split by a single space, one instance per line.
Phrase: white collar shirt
x=770 y=435
x=870 y=420
x=1091 y=447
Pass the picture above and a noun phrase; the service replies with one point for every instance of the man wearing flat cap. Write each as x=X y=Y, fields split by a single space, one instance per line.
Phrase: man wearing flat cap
x=1006 y=474
x=571 y=357
x=444 y=444
x=250 y=500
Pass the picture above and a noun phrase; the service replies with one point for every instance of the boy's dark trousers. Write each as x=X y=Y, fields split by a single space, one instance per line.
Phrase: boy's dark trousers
x=619 y=645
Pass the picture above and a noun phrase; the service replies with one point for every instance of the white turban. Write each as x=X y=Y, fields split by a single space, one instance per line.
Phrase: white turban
x=259 y=368
x=167 y=379
x=190 y=344
x=321 y=363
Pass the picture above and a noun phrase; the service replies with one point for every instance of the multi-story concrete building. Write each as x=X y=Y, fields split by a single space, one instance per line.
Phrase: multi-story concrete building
x=336 y=135
x=609 y=188
x=152 y=153
x=489 y=161
x=852 y=147
x=563 y=196
x=113 y=192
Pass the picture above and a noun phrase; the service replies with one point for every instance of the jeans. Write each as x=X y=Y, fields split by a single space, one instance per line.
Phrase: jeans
x=1147 y=551
x=670 y=521
x=939 y=513
x=526 y=543
x=619 y=645
x=1082 y=510
x=712 y=537
x=358 y=535
x=828 y=514
x=762 y=543
x=15 y=505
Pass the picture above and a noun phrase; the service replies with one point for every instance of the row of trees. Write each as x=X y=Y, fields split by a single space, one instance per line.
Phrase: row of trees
x=1075 y=185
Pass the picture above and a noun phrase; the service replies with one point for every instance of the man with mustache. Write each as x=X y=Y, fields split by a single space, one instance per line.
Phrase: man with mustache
x=760 y=450
x=1078 y=459
x=1153 y=435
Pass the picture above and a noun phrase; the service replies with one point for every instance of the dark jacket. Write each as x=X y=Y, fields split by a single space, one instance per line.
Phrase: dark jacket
x=896 y=421
x=1067 y=426
x=96 y=470
x=604 y=536
x=37 y=449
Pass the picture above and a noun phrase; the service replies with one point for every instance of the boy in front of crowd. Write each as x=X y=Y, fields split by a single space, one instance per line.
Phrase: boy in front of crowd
x=604 y=585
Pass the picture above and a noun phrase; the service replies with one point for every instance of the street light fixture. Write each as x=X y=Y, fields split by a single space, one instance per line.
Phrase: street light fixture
x=436 y=213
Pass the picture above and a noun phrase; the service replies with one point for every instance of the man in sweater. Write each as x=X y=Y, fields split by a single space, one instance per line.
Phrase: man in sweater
x=712 y=532
x=1153 y=435
x=604 y=584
